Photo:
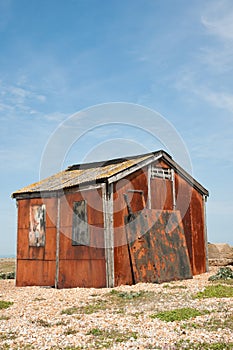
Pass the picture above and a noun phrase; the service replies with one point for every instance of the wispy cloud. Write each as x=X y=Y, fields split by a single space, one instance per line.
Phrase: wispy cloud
x=207 y=75
x=57 y=117
x=218 y=19
x=217 y=22
x=203 y=90
x=15 y=99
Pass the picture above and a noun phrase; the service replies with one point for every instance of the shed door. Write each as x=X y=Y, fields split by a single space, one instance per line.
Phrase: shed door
x=159 y=252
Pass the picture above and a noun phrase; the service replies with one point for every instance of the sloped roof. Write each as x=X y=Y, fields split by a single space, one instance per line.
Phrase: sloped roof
x=80 y=174
x=97 y=172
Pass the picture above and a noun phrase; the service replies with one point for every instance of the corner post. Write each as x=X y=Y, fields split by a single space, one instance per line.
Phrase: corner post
x=57 y=241
x=107 y=196
x=173 y=189
x=149 y=186
x=205 y=233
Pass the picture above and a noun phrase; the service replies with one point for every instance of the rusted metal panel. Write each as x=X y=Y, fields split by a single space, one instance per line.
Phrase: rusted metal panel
x=123 y=273
x=130 y=186
x=198 y=233
x=24 y=249
x=95 y=221
x=161 y=163
x=158 y=251
x=69 y=252
x=96 y=233
x=36 y=263
x=22 y=243
x=50 y=244
x=161 y=194
x=93 y=199
x=183 y=198
x=35 y=273
x=24 y=211
x=82 y=265
x=190 y=204
x=137 y=181
x=82 y=273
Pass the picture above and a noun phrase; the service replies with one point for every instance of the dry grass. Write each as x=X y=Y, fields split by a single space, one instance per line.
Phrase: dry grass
x=7 y=265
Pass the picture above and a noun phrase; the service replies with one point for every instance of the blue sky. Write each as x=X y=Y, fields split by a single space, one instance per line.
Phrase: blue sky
x=60 y=57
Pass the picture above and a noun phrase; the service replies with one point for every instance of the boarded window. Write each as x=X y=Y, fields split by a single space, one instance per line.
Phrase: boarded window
x=37 y=226
x=80 y=233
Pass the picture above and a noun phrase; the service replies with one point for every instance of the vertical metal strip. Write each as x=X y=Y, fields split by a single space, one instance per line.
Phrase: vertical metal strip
x=111 y=236
x=107 y=196
x=173 y=189
x=205 y=233
x=17 y=244
x=149 y=186
x=57 y=241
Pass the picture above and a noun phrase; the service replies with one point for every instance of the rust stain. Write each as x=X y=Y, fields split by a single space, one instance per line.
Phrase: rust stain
x=161 y=253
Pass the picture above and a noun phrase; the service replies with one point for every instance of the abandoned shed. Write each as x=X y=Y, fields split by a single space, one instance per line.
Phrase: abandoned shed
x=103 y=224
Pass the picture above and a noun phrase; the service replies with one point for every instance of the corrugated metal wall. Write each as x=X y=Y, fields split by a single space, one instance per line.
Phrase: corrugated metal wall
x=190 y=204
x=36 y=265
x=135 y=181
x=188 y=201
x=82 y=266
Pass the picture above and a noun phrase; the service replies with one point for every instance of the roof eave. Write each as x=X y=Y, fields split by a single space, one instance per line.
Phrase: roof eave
x=194 y=183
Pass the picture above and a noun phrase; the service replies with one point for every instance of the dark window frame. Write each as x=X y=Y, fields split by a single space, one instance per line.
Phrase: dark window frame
x=80 y=227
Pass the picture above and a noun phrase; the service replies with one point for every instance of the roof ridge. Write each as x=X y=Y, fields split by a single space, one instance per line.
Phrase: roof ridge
x=83 y=166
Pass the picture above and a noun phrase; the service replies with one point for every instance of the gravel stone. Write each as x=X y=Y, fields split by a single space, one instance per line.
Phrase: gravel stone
x=35 y=320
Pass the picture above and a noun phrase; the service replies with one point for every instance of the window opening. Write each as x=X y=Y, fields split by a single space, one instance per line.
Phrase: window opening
x=80 y=232
x=161 y=173
x=37 y=226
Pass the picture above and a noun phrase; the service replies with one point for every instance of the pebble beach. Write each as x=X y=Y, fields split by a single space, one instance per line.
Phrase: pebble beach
x=119 y=318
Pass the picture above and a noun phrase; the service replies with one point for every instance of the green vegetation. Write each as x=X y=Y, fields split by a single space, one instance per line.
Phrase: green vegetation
x=215 y=291
x=170 y=286
x=127 y=295
x=95 y=331
x=7 y=268
x=86 y=309
x=5 y=304
x=106 y=338
x=178 y=314
x=70 y=331
x=7 y=275
x=70 y=348
x=70 y=311
x=39 y=299
x=6 y=336
x=229 y=282
x=130 y=295
x=42 y=323
x=61 y=323
x=224 y=273
x=215 y=323
x=117 y=298
x=4 y=318
x=17 y=347
x=202 y=346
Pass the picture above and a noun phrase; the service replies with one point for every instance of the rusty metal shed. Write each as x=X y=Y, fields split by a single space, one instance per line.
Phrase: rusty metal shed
x=103 y=224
